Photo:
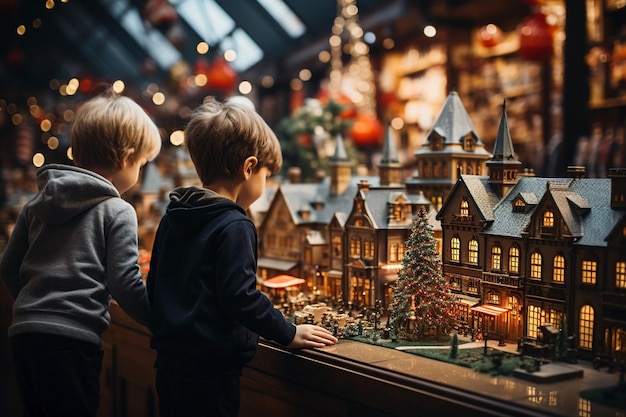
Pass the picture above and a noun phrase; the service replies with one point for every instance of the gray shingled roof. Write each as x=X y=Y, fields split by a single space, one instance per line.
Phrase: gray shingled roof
x=482 y=194
x=454 y=123
x=592 y=195
x=299 y=194
x=503 y=151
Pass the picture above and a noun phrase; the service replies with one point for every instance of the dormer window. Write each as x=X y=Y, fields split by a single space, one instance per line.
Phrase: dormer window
x=547 y=222
x=469 y=144
x=436 y=143
x=519 y=206
x=464 y=208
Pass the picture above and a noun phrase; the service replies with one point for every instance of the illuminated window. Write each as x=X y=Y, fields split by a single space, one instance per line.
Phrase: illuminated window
x=337 y=246
x=426 y=170
x=535 y=265
x=396 y=252
x=534 y=320
x=585 y=327
x=620 y=274
x=547 y=225
x=558 y=269
x=355 y=248
x=493 y=298
x=472 y=252
x=519 y=205
x=584 y=407
x=496 y=257
x=589 y=272
x=464 y=208
x=455 y=249
x=444 y=170
x=514 y=260
x=368 y=249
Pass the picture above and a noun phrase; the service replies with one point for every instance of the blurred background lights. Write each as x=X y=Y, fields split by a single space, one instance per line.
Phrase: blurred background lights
x=177 y=137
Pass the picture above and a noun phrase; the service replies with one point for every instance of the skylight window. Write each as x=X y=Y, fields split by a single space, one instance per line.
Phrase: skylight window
x=153 y=41
x=217 y=27
x=285 y=17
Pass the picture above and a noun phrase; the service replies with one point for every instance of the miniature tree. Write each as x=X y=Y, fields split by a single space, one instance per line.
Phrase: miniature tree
x=454 y=347
x=562 y=341
x=422 y=302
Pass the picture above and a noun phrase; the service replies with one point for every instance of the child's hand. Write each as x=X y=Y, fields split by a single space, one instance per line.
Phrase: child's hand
x=311 y=336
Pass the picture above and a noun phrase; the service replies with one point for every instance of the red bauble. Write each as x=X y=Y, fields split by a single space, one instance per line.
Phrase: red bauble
x=535 y=35
x=221 y=76
x=367 y=130
x=490 y=35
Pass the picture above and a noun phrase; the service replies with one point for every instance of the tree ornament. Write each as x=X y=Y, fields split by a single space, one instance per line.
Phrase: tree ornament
x=221 y=76
x=367 y=130
x=535 y=35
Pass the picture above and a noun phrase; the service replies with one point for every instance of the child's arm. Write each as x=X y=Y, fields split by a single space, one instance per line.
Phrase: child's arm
x=311 y=336
x=12 y=258
x=123 y=275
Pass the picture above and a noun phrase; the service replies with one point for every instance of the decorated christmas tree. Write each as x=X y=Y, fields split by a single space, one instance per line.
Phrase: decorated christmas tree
x=422 y=302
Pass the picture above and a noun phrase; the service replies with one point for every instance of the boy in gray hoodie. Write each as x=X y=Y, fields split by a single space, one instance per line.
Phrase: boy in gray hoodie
x=74 y=246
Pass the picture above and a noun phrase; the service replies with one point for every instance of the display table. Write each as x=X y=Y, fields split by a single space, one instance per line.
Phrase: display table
x=345 y=380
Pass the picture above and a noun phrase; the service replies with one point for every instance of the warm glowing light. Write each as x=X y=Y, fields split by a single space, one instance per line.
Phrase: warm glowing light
x=68 y=115
x=69 y=154
x=38 y=159
x=35 y=110
x=119 y=86
x=158 y=98
x=21 y=30
x=50 y=4
x=200 y=80
x=324 y=56
x=388 y=43
x=296 y=84
x=45 y=125
x=230 y=55
x=202 y=48
x=245 y=87
x=397 y=123
x=267 y=81
x=16 y=119
x=53 y=142
x=430 y=31
x=305 y=74
x=177 y=137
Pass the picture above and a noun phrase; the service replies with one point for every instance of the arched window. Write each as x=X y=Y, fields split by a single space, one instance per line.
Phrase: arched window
x=355 y=248
x=585 y=327
x=547 y=224
x=455 y=249
x=336 y=246
x=535 y=265
x=496 y=257
x=558 y=269
x=589 y=271
x=514 y=260
x=620 y=274
x=472 y=252
x=533 y=320
x=464 y=210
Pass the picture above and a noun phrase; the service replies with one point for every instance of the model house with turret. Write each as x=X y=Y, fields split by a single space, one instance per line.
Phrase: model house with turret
x=532 y=251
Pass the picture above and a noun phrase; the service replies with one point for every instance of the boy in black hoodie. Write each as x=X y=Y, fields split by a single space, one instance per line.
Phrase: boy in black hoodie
x=206 y=311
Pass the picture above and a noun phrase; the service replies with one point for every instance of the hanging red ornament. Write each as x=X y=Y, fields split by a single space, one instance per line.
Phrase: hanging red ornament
x=367 y=130
x=221 y=76
x=490 y=35
x=535 y=35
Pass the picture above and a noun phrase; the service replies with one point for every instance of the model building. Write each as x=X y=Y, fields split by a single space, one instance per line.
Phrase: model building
x=520 y=252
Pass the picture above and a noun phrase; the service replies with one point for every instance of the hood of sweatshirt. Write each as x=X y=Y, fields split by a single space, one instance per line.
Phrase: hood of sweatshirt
x=191 y=208
x=67 y=191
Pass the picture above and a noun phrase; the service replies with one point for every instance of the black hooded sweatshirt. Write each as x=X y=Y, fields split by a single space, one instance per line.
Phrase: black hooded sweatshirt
x=202 y=285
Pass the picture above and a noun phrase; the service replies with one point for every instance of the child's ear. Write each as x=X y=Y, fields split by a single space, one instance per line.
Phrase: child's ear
x=248 y=166
x=126 y=158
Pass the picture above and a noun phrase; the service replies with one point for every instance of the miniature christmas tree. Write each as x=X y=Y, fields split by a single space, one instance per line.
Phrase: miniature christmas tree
x=422 y=302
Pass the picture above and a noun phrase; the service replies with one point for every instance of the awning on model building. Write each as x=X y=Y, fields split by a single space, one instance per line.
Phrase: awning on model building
x=490 y=310
x=283 y=281
x=276 y=264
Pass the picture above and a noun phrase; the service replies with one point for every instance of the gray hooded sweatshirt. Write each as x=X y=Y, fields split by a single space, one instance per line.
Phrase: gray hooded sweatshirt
x=74 y=246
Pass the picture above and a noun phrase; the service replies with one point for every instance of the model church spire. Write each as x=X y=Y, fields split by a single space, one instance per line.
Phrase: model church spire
x=340 y=168
x=503 y=166
x=389 y=168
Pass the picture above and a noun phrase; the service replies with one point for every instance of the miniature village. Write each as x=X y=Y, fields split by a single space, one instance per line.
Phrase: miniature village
x=474 y=245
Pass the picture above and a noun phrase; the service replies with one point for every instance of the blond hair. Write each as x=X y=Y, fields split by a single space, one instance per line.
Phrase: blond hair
x=221 y=136
x=109 y=126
